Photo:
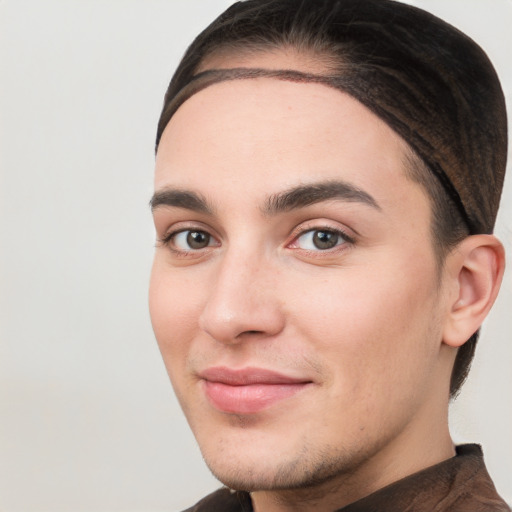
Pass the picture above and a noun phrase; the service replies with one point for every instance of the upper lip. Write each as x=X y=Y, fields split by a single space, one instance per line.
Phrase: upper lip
x=248 y=376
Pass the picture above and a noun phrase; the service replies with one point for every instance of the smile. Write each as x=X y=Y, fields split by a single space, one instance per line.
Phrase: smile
x=248 y=391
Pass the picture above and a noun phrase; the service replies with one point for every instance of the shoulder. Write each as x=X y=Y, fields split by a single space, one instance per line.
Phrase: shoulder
x=223 y=500
x=459 y=484
x=472 y=487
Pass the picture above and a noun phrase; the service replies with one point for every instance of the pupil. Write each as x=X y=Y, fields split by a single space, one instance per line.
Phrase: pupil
x=198 y=239
x=325 y=239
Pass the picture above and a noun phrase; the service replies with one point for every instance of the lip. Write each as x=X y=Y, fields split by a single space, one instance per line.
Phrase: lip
x=248 y=390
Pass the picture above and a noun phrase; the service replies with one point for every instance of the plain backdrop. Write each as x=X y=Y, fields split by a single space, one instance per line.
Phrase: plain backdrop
x=88 y=420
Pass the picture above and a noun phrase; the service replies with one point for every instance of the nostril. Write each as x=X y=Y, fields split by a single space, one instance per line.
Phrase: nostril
x=250 y=333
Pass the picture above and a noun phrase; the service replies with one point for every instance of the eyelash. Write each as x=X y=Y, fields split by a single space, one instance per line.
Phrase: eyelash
x=296 y=235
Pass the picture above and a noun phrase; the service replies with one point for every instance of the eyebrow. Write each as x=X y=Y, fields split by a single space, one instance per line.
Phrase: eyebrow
x=180 y=199
x=307 y=195
x=291 y=199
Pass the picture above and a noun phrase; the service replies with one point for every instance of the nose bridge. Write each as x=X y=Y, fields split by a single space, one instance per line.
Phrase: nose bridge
x=242 y=298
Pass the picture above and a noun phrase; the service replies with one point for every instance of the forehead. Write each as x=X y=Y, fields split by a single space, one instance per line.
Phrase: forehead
x=286 y=131
x=279 y=107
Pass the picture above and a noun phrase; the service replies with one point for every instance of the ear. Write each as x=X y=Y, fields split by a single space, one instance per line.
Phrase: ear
x=475 y=270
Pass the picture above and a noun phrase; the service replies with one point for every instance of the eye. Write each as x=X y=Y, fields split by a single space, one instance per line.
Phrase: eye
x=191 y=240
x=320 y=240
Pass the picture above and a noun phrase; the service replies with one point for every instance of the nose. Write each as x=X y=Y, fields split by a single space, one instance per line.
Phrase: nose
x=243 y=301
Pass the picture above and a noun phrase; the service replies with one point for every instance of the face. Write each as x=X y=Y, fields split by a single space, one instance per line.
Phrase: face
x=294 y=293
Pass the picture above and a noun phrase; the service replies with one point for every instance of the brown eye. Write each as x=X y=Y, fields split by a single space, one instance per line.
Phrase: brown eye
x=320 y=240
x=191 y=240
x=198 y=239
x=325 y=239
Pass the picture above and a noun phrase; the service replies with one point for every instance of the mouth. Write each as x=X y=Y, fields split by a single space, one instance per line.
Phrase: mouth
x=249 y=390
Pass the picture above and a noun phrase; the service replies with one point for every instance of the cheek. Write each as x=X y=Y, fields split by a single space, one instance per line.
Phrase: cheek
x=174 y=308
x=376 y=327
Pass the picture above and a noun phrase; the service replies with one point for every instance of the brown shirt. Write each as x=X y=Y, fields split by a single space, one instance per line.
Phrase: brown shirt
x=459 y=484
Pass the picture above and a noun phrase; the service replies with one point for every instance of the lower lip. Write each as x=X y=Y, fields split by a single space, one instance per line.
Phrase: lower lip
x=251 y=398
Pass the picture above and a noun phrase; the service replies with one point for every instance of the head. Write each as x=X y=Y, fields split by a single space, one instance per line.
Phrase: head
x=279 y=112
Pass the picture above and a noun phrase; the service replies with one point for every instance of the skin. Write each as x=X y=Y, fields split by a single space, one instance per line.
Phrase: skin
x=368 y=324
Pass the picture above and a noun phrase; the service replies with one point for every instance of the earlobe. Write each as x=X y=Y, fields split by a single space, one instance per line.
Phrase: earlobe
x=476 y=269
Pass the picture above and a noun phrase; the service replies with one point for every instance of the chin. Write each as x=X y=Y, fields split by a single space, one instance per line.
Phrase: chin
x=274 y=470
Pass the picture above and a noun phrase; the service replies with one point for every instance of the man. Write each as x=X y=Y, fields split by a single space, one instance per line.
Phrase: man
x=327 y=178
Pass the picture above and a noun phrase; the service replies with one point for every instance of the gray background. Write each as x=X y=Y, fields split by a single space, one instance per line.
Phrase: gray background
x=88 y=421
